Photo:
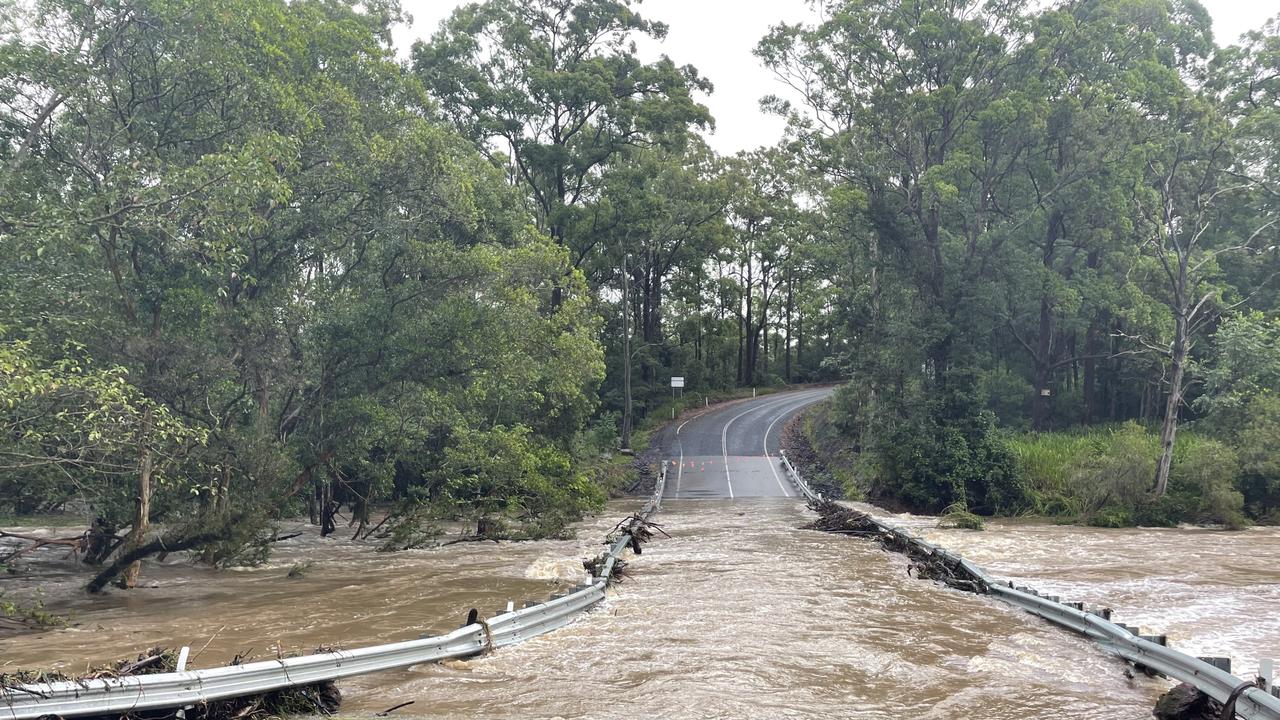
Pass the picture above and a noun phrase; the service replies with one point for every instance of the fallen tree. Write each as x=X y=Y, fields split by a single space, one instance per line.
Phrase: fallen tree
x=182 y=539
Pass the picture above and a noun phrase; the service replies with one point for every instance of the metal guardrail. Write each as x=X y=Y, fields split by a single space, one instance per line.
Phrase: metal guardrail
x=1252 y=702
x=192 y=687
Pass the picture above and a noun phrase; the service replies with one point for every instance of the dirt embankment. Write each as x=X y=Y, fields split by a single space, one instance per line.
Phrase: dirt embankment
x=807 y=460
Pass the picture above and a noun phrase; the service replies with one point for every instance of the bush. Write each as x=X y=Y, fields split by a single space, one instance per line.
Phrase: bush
x=936 y=462
x=957 y=516
x=1203 y=481
x=1258 y=452
x=1118 y=470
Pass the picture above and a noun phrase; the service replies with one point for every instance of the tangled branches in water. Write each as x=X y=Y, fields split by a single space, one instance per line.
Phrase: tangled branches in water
x=638 y=530
x=926 y=563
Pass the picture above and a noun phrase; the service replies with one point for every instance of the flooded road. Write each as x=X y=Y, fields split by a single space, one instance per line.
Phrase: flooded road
x=1213 y=592
x=739 y=614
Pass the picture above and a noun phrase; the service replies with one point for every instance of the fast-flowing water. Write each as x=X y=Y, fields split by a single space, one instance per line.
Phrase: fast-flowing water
x=740 y=614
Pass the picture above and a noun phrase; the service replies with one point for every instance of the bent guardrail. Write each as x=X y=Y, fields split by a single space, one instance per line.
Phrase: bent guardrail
x=193 y=687
x=1251 y=701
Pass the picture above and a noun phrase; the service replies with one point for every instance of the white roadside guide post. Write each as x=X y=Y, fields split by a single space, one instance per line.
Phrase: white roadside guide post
x=677 y=382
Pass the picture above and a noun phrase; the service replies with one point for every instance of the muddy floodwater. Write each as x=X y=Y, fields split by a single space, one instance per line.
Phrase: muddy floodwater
x=740 y=614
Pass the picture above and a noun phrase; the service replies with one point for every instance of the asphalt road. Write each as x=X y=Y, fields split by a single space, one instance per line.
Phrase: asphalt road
x=730 y=451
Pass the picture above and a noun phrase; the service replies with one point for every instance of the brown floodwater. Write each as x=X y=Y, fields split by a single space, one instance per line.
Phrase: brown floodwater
x=740 y=614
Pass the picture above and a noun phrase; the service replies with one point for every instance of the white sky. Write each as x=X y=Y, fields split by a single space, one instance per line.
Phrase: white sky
x=717 y=36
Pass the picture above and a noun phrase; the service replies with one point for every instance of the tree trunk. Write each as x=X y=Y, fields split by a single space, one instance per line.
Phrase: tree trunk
x=142 y=513
x=1043 y=356
x=1090 y=370
x=786 y=347
x=749 y=361
x=626 y=358
x=873 y=381
x=1169 y=431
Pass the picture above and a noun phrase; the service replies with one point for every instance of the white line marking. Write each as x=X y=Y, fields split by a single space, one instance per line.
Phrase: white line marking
x=724 y=436
x=765 y=443
x=680 y=471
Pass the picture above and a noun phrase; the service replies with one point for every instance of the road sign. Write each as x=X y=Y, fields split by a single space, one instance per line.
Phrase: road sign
x=677 y=382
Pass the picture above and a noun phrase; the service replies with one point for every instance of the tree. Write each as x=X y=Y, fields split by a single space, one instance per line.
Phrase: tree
x=1192 y=215
x=559 y=84
x=247 y=217
x=663 y=215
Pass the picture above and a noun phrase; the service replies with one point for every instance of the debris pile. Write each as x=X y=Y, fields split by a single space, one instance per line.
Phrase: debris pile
x=638 y=530
x=926 y=563
x=318 y=699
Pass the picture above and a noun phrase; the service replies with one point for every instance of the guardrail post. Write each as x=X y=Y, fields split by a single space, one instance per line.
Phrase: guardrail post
x=1223 y=664
x=182 y=658
x=1267 y=674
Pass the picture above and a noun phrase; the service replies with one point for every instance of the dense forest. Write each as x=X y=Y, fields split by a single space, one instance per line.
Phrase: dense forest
x=257 y=265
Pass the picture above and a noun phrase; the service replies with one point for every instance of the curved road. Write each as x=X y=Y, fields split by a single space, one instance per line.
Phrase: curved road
x=729 y=451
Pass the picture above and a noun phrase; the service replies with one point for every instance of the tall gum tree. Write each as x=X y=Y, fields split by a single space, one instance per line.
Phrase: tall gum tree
x=558 y=86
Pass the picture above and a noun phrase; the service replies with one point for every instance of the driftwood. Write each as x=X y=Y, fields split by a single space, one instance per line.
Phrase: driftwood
x=74 y=544
x=640 y=531
x=924 y=564
x=171 y=542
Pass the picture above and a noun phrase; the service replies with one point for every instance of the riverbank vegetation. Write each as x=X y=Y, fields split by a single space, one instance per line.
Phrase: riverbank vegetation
x=1044 y=220
x=257 y=264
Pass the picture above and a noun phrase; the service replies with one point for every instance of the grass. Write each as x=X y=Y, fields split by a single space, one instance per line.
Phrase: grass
x=669 y=408
x=958 y=516
x=1102 y=476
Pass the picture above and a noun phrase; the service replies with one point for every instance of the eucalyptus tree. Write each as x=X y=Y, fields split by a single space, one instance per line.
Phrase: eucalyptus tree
x=907 y=93
x=764 y=216
x=558 y=84
x=1195 y=209
x=665 y=213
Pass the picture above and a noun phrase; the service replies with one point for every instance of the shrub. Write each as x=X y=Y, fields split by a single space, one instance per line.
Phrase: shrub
x=1117 y=472
x=958 y=516
x=1203 y=480
x=1258 y=452
x=935 y=462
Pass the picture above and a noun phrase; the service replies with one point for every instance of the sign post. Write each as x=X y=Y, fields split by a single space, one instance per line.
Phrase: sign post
x=677 y=383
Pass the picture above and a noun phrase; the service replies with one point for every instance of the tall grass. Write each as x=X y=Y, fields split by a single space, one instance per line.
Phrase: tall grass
x=1103 y=475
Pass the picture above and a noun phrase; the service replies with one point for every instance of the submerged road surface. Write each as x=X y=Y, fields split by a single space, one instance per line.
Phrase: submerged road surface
x=730 y=451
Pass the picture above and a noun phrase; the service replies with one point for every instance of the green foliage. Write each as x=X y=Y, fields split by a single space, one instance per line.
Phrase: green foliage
x=1103 y=476
x=1258 y=451
x=276 y=276
x=504 y=472
x=1245 y=366
x=73 y=430
x=1052 y=235
x=957 y=516
x=30 y=613
x=949 y=454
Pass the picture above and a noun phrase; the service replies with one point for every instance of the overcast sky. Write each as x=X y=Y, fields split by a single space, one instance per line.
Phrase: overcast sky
x=717 y=36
